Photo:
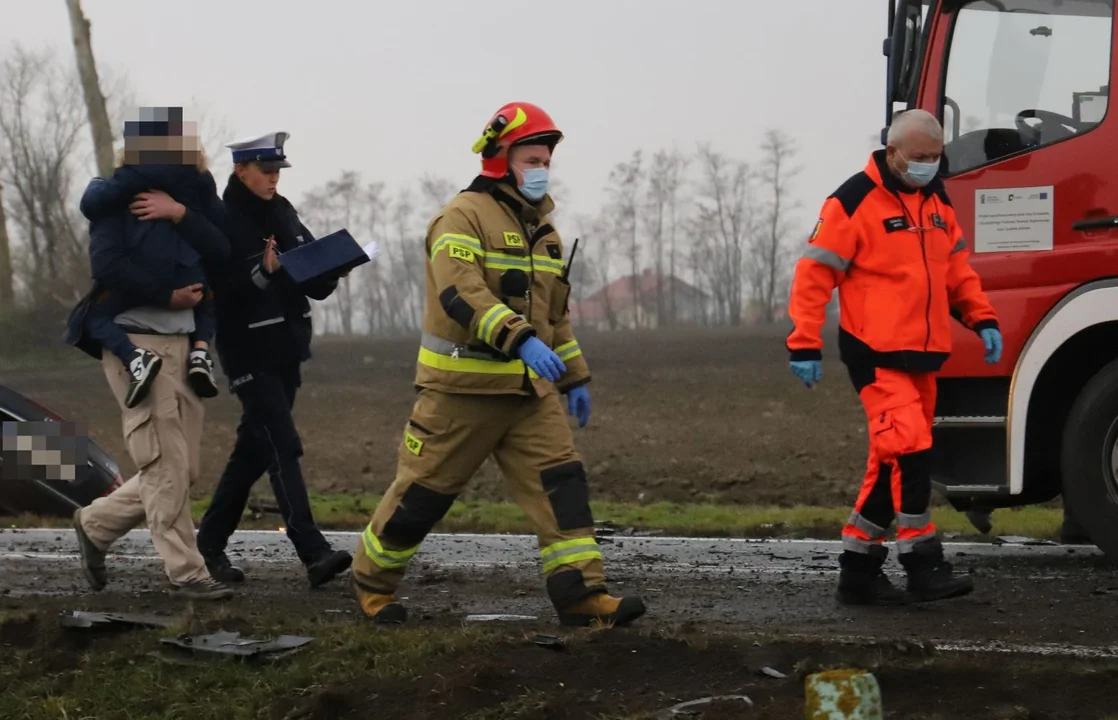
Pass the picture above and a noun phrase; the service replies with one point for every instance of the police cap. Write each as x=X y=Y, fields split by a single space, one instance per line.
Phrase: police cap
x=264 y=150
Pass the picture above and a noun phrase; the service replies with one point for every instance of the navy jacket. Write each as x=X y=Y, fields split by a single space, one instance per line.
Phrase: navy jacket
x=263 y=322
x=147 y=260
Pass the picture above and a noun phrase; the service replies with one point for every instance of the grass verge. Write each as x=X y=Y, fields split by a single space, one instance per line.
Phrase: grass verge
x=352 y=512
x=72 y=675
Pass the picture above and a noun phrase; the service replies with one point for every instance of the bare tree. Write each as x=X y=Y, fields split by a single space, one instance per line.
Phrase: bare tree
x=411 y=251
x=665 y=179
x=599 y=246
x=336 y=205
x=214 y=133
x=7 y=292
x=770 y=258
x=41 y=121
x=626 y=178
x=382 y=311
x=724 y=224
x=91 y=89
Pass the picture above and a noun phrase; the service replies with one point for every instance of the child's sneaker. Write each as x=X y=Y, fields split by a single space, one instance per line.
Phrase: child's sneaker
x=200 y=374
x=143 y=367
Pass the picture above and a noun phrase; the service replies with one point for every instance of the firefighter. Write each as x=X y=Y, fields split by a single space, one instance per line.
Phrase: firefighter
x=889 y=240
x=496 y=355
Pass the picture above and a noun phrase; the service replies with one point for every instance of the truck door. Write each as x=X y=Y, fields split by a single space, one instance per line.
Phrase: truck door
x=1022 y=89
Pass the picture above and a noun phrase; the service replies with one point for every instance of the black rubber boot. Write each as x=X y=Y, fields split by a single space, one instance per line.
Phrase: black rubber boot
x=1072 y=533
x=930 y=576
x=862 y=581
x=328 y=566
x=222 y=570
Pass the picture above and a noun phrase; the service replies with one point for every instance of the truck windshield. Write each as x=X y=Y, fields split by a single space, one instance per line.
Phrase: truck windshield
x=1023 y=74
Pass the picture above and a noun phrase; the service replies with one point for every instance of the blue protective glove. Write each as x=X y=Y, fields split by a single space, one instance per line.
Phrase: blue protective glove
x=810 y=371
x=578 y=404
x=542 y=359
x=992 y=339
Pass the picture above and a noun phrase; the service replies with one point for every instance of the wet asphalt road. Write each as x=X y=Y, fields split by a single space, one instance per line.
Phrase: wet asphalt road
x=1038 y=598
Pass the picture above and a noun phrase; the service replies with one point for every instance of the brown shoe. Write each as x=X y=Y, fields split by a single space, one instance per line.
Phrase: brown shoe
x=93 y=559
x=603 y=609
x=207 y=589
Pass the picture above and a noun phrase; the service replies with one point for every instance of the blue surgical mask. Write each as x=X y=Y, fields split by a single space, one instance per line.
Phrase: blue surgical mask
x=535 y=183
x=919 y=174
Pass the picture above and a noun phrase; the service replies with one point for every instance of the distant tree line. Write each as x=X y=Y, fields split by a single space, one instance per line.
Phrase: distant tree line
x=701 y=238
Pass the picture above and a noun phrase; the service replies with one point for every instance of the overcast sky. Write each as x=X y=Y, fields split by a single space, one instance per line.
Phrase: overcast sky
x=398 y=89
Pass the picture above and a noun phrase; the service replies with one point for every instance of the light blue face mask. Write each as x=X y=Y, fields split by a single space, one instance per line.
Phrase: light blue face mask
x=535 y=183
x=919 y=174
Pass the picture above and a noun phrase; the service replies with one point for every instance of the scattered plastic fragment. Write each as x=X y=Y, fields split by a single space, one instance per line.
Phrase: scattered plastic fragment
x=773 y=673
x=499 y=618
x=842 y=695
x=549 y=641
x=696 y=707
x=231 y=643
x=82 y=620
x=1021 y=540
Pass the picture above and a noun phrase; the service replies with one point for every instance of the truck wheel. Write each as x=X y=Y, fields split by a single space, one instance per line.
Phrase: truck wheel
x=1089 y=459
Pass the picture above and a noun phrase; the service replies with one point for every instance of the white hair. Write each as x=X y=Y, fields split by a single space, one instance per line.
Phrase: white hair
x=913 y=122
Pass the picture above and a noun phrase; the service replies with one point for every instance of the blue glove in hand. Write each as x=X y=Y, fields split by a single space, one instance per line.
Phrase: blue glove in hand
x=810 y=371
x=542 y=359
x=992 y=339
x=578 y=404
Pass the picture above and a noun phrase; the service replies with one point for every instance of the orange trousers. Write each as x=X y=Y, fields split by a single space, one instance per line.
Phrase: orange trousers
x=900 y=409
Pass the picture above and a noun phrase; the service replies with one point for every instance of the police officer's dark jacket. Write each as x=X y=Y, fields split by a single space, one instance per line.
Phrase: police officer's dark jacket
x=145 y=261
x=263 y=321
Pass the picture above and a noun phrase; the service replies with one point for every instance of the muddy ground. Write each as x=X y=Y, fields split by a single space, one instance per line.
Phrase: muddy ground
x=1035 y=640
x=687 y=415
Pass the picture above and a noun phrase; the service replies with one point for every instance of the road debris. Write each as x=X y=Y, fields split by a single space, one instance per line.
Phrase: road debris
x=696 y=708
x=499 y=618
x=82 y=620
x=231 y=643
x=550 y=642
x=1021 y=540
x=842 y=695
x=772 y=673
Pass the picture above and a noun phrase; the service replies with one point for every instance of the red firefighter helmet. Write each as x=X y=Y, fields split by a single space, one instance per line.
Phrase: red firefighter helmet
x=518 y=123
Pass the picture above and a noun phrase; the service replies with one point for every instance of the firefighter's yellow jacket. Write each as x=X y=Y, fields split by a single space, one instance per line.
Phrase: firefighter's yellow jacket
x=494 y=278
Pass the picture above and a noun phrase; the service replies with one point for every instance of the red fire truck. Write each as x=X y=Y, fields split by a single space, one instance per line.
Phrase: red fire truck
x=1031 y=165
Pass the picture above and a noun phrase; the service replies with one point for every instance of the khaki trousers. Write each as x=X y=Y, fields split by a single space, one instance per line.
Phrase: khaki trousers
x=164 y=436
x=445 y=441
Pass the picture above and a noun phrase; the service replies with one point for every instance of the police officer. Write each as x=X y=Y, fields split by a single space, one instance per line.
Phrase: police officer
x=889 y=241
x=496 y=354
x=263 y=336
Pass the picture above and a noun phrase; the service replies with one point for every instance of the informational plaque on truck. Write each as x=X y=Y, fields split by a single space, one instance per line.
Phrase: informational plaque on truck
x=1013 y=219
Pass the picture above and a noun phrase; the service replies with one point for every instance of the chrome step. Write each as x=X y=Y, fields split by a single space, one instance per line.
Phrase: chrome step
x=969 y=489
x=959 y=421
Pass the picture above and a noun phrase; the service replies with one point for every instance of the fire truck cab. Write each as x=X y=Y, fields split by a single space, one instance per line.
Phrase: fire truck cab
x=1030 y=164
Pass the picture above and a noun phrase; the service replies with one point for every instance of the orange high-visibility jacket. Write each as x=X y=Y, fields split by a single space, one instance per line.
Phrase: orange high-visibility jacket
x=899 y=260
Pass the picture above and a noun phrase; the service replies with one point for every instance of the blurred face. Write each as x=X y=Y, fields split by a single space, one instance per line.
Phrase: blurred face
x=262 y=184
x=528 y=157
x=162 y=150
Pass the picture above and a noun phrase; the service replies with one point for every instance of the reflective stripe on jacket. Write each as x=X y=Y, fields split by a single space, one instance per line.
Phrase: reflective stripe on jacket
x=494 y=278
x=899 y=260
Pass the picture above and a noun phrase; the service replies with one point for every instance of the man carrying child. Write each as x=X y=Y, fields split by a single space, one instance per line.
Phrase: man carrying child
x=148 y=307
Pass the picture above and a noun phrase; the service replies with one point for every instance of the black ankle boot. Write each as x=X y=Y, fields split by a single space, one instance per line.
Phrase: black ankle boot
x=862 y=581
x=930 y=576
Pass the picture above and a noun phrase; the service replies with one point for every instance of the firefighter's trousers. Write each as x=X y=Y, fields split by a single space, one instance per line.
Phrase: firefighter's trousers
x=900 y=408
x=445 y=442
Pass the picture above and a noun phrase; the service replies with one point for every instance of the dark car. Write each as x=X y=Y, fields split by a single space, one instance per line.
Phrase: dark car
x=99 y=476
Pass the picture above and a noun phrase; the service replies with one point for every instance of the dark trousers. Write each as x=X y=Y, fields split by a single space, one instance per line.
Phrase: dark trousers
x=266 y=441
